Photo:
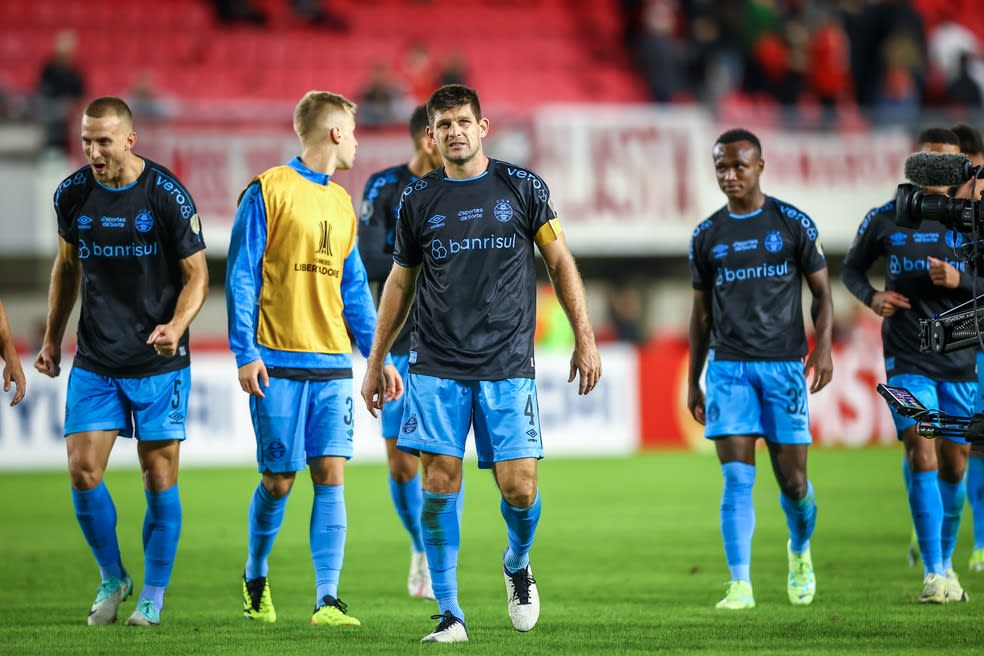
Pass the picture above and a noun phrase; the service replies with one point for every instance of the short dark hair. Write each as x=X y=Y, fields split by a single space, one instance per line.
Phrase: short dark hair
x=109 y=105
x=938 y=136
x=453 y=95
x=740 y=134
x=418 y=122
x=971 y=142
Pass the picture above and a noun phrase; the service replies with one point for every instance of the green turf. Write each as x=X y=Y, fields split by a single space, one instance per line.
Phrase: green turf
x=628 y=559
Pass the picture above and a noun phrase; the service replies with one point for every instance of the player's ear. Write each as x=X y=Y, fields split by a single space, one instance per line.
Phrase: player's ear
x=483 y=126
x=131 y=140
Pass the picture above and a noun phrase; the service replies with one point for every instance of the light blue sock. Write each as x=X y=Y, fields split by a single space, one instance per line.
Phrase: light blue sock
x=927 y=515
x=161 y=531
x=460 y=504
x=266 y=515
x=328 y=527
x=408 y=500
x=738 y=518
x=96 y=515
x=442 y=539
x=975 y=497
x=520 y=531
x=801 y=518
x=952 y=496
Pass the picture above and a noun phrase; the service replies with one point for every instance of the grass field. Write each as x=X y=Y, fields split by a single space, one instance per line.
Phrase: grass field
x=628 y=559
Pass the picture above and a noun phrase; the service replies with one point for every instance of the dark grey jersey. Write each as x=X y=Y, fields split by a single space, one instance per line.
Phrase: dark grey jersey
x=377 y=233
x=476 y=293
x=906 y=254
x=130 y=242
x=752 y=266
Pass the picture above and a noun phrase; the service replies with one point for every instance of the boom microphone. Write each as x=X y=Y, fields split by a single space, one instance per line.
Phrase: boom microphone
x=938 y=169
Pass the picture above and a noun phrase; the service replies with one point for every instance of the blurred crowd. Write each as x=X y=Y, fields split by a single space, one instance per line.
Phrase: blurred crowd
x=882 y=56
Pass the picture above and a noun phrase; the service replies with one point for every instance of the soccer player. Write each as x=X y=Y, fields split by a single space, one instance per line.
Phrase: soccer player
x=464 y=241
x=923 y=277
x=13 y=373
x=377 y=235
x=295 y=285
x=747 y=260
x=131 y=238
x=972 y=145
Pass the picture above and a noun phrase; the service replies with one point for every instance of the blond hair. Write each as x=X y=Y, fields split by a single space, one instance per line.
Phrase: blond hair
x=110 y=106
x=311 y=110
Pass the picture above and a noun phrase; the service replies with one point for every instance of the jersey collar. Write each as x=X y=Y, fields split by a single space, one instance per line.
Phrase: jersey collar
x=313 y=176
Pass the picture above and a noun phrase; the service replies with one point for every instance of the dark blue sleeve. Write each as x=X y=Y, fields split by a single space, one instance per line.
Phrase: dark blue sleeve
x=375 y=225
x=406 y=251
x=864 y=251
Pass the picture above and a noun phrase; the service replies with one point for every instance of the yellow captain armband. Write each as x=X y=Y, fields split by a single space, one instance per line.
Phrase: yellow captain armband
x=548 y=232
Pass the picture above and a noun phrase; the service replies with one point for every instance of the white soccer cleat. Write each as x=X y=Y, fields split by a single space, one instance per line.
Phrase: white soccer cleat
x=111 y=593
x=419 y=578
x=934 y=589
x=954 y=591
x=450 y=629
x=522 y=597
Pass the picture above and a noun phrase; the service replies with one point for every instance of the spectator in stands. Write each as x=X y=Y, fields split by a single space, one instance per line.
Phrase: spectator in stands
x=12 y=370
x=383 y=101
x=314 y=12
x=887 y=35
x=963 y=90
x=61 y=85
x=454 y=70
x=418 y=73
x=658 y=49
x=239 y=11
x=144 y=99
x=625 y=311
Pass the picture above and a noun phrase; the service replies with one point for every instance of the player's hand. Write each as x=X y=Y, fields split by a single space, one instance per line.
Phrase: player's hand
x=13 y=373
x=943 y=274
x=165 y=338
x=48 y=361
x=587 y=362
x=394 y=383
x=695 y=403
x=374 y=389
x=823 y=369
x=886 y=303
x=251 y=376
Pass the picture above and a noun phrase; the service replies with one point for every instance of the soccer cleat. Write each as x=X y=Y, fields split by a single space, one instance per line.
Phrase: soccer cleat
x=977 y=560
x=419 y=578
x=934 y=589
x=145 y=614
x=738 y=597
x=257 y=602
x=801 y=583
x=523 y=600
x=954 y=591
x=912 y=551
x=450 y=629
x=111 y=593
x=333 y=612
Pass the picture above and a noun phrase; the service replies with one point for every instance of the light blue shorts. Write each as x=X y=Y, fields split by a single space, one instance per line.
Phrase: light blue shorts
x=149 y=408
x=764 y=398
x=953 y=398
x=302 y=419
x=504 y=414
x=392 y=414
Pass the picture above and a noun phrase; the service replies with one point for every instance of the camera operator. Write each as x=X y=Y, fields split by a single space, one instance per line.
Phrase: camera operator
x=972 y=145
x=923 y=278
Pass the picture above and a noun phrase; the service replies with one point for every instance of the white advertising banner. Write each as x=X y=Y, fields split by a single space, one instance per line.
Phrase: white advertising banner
x=603 y=423
x=638 y=180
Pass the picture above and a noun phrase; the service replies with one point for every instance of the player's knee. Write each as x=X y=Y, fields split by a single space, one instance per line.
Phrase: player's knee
x=795 y=487
x=280 y=485
x=84 y=476
x=402 y=467
x=519 y=493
